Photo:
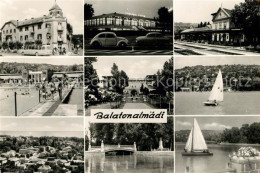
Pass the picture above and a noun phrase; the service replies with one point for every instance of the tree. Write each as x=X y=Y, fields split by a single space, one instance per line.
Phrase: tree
x=119 y=80
x=5 y=45
x=165 y=18
x=246 y=16
x=88 y=11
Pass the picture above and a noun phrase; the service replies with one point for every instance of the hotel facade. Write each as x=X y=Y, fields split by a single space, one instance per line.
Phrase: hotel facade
x=116 y=22
x=51 y=29
x=221 y=31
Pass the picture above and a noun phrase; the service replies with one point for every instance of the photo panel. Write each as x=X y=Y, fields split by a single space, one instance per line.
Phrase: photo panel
x=132 y=27
x=129 y=147
x=217 y=85
x=216 y=27
x=42 y=28
x=42 y=144
x=217 y=144
x=129 y=83
x=49 y=86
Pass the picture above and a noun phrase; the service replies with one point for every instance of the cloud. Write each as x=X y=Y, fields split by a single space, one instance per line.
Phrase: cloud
x=185 y=124
x=215 y=126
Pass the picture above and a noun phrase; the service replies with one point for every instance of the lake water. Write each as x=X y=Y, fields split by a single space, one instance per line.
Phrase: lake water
x=96 y=163
x=205 y=164
x=24 y=101
x=235 y=103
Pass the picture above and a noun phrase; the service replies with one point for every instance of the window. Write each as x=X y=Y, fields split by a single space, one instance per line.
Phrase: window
x=26 y=28
x=40 y=26
x=21 y=38
x=4 y=32
x=21 y=29
x=10 y=31
x=14 y=30
x=102 y=36
x=110 y=36
x=26 y=37
x=39 y=36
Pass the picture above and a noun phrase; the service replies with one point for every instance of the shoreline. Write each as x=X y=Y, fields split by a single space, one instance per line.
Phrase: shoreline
x=224 y=144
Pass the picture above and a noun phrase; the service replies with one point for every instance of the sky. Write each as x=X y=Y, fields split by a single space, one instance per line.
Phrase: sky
x=195 y=11
x=46 y=60
x=65 y=127
x=214 y=123
x=26 y=9
x=148 y=8
x=181 y=62
x=135 y=67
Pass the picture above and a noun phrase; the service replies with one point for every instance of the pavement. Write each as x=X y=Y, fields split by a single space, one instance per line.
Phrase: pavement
x=191 y=48
x=80 y=53
x=53 y=107
x=128 y=51
x=136 y=106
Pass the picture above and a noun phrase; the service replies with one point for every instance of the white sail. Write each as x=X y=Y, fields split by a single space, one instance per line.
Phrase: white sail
x=188 y=146
x=217 y=90
x=198 y=141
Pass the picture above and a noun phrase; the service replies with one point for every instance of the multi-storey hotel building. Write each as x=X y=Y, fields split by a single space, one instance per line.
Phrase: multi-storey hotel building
x=117 y=21
x=51 y=29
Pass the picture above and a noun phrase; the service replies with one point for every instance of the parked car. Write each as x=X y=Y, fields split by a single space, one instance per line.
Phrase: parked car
x=153 y=38
x=45 y=50
x=108 y=39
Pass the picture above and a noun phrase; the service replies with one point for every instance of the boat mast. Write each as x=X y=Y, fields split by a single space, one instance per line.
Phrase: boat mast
x=192 y=136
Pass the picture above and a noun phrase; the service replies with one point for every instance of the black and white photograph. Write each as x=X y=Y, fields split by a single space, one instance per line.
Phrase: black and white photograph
x=217 y=144
x=129 y=147
x=41 y=28
x=217 y=85
x=42 y=145
x=129 y=83
x=41 y=87
x=216 y=27
x=130 y=27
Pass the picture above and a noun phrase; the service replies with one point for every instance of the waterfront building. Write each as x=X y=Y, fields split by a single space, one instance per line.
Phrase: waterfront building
x=50 y=29
x=38 y=76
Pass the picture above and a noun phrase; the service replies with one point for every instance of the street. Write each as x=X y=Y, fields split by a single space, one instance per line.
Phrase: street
x=131 y=49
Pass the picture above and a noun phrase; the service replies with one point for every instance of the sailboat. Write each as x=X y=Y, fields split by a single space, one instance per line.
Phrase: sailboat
x=216 y=94
x=196 y=145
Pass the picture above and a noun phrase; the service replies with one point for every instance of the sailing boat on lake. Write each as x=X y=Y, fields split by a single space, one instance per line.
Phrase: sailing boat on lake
x=216 y=94
x=196 y=145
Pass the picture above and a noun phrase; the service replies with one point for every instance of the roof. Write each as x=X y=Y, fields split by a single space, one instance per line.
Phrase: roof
x=202 y=29
x=55 y=7
x=14 y=22
x=31 y=21
x=122 y=15
x=227 y=11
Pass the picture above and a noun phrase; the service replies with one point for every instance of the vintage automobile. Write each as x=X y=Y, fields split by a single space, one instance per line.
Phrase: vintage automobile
x=108 y=39
x=44 y=51
x=153 y=38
